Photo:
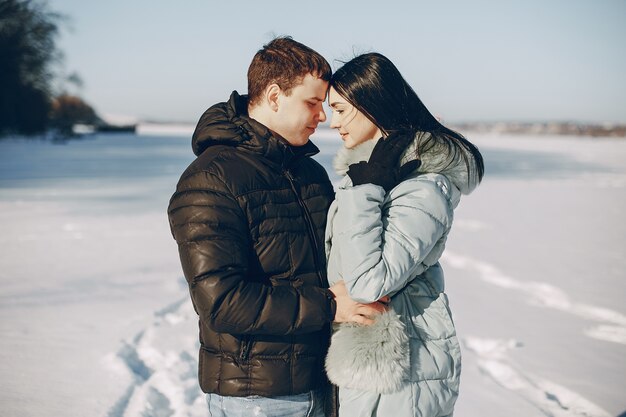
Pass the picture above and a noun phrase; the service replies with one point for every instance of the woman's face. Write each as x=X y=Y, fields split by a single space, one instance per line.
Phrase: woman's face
x=352 y=125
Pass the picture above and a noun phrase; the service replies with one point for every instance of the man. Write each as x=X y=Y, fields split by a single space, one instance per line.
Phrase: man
x=249 y=216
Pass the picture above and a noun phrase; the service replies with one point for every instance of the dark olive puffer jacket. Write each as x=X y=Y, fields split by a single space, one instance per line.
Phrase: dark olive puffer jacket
x=249 y=216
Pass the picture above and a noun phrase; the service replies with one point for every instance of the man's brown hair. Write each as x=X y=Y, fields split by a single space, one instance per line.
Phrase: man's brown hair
x=284 y=62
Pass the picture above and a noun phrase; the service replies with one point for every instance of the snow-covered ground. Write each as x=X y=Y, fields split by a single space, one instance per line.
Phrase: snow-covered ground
x=94 y=312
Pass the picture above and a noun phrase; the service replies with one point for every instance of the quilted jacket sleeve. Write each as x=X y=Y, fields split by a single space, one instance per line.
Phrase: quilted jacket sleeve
x=386 y=241
x=214 y=246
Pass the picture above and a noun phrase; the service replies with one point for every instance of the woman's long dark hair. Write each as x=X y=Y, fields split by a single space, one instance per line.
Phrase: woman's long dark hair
x=373 y=84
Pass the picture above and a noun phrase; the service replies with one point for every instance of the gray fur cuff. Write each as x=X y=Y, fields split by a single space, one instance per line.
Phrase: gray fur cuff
x=370 y=358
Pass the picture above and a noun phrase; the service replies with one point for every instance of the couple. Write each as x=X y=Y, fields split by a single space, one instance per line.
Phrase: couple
x=277 y=262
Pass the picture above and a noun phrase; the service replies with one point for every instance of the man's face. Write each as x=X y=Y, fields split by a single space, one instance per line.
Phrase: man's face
x=301 y=111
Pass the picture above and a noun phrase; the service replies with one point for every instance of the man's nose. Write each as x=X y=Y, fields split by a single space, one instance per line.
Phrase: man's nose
x=322 y=116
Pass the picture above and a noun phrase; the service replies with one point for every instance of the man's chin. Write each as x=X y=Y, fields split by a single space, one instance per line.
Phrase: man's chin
x=299 y=142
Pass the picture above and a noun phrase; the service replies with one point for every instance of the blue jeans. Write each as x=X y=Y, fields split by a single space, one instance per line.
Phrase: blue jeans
x=308 y=404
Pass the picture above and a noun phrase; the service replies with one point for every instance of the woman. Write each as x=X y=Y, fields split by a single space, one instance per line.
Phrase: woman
x=386 y=231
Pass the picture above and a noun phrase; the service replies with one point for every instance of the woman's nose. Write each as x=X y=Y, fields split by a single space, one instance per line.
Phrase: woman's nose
x=333 y=122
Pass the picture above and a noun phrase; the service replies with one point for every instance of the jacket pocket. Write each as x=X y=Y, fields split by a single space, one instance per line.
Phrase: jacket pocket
x=429 y=318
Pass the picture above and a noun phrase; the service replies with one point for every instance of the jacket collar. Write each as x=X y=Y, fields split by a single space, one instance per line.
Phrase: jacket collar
x=228 y=124
x=454 y=162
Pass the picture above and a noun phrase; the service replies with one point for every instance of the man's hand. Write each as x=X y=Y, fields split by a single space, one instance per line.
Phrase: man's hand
x=349 y=310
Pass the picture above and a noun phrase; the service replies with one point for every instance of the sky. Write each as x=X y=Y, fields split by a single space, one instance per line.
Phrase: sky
x=532 y=60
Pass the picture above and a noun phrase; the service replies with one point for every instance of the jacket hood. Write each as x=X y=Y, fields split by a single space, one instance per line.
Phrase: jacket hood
x=219 y=124
x=228 y=124
x=439 y=159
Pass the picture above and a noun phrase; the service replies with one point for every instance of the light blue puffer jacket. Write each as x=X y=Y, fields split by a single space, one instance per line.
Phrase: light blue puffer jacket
x=389 y=244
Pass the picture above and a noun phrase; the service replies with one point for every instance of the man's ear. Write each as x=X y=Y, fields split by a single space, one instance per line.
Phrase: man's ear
x=272 y=94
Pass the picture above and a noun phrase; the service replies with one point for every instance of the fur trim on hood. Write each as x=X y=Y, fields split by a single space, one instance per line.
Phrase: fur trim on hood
x=438 y=159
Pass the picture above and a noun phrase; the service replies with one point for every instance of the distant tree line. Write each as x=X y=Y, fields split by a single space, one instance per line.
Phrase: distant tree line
x=29 y=56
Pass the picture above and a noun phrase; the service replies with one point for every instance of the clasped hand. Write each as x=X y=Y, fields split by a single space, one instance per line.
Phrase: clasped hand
x=349 y=310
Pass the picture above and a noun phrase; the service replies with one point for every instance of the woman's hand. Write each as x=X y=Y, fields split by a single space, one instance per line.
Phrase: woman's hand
x=349 y=310
x=383 y=166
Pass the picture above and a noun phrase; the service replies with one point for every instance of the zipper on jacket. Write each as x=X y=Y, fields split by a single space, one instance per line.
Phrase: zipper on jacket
x=246 y=343
x=310 y=226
